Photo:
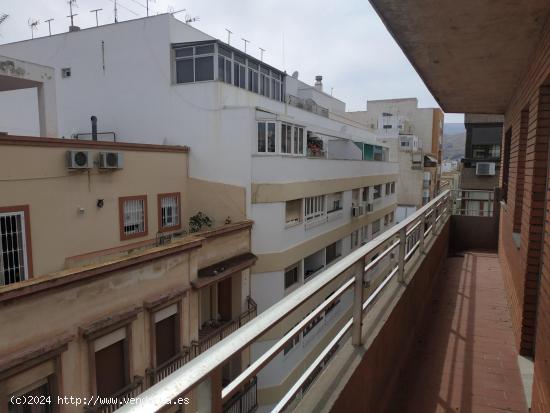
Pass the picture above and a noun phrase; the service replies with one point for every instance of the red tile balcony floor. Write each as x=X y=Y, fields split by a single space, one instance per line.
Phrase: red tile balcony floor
x=465 y=359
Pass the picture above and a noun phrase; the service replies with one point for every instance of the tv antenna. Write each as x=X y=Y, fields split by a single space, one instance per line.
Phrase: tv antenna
x=229 y=33
x=261 y=54
x=96 y=20
x=3 y=17
x=190 y=19
x=245 y=42
x=33 y=24
x=49 y=26
x=116 y=12
x=71 y=14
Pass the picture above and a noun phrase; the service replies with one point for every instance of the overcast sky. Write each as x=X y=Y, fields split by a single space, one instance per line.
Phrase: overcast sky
x=344 y=40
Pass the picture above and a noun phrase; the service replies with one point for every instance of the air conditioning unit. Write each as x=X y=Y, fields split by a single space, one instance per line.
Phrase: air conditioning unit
x=111 y=160
x=78 y=160
x=485 y=168
x=369 y=207
x=355 y=211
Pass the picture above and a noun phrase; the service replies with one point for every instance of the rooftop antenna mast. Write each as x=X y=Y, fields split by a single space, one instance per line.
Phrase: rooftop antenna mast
x=96 y=19
x=116 y=12
x=3 y=17
x=177 y=11
x=49 y=26
x=245 y=42
x=71 y=14
x=229 y=33
x=261 y=54
x=33 y=24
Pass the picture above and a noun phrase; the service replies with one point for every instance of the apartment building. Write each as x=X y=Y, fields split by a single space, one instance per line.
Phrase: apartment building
x=104 y=288
x=316 y=184
x=417 y=135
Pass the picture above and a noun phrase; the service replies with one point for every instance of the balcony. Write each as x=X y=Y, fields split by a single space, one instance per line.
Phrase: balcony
x=430 y=329
x=111 y=403
x=216 y=331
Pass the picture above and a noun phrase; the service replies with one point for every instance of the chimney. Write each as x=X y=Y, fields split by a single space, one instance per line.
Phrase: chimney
x=94 y=127
x=319 y=83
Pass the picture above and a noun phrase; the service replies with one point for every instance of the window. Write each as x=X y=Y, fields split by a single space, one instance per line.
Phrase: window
x=293 y=211
x=365 y=194
x=292 y=139
x=392 y=188
x=355 y=239
x=264 y=82
x=388 y=189
x=40 y=392
x=166 y=323
x=292 y=275
x=375 y=227
x=194 y=64
x=314 y=208
x=377 y=191
x=239 y=71
x=169 y=211
x=66 y=72
x=334 y=202
x=224 y=64
x=111 y=362
x=387 y=126
x=133 y=216
x=333 y=251
x=253 y=76
x=15 y=246
x=266 y=137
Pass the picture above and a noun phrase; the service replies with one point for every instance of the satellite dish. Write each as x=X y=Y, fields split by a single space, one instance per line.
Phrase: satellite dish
x=295 y=74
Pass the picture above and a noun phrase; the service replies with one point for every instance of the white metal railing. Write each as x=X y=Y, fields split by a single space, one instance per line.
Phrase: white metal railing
x=473 y=202
x=421 y=226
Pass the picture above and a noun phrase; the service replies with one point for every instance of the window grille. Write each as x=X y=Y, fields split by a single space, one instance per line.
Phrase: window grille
x=169 y=208
x=13 y=248
x=134 y=216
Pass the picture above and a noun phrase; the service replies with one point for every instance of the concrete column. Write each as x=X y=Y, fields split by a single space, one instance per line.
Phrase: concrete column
x=47 y=110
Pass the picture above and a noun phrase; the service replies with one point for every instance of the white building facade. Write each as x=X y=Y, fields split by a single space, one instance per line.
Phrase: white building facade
x=317 y=185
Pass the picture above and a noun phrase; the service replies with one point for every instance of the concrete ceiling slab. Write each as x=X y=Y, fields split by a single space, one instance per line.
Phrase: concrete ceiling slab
x=470 y=53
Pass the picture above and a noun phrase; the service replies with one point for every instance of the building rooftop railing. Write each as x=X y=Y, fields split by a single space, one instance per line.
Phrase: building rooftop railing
x=400 y=244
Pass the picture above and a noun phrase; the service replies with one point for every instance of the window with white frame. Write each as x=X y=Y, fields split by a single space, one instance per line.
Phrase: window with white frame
x=253 y=76
x=13 y=248
x=314 y=208
x=292 y=139
x=169 y=210
x=194 y=63
x=133 y=212
x=266 y=137
x=239 y=70
x=265 y=81
x=225 y=65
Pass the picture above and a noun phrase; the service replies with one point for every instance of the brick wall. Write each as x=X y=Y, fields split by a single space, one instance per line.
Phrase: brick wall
x=527 y=268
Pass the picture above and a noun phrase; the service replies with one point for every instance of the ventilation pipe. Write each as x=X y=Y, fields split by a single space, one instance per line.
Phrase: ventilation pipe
x=319 y=83
x=94 y=127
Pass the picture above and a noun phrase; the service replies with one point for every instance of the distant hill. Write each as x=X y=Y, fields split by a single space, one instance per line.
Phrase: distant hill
x=454 y=139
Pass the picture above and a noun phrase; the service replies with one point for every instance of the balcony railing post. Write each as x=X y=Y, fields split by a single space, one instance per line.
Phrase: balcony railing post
x=402 y=250
x=422 y=229
x=358 y=304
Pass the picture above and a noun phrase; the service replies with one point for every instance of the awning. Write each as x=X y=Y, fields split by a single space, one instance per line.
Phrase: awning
x=223 y=269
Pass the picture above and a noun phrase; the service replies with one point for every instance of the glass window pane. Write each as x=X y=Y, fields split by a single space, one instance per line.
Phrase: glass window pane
x=271 y=137
x=204 y=68
x=224 y=52
x=261 y=136
x=255 y=82
x=187 y=51
x=283 y=138
x=262 y=85
x=250 y=79
x=221 y=68
x=228 y=71
x=209 y=48
x=242 y=77
x=236 y=73
x=184 y=71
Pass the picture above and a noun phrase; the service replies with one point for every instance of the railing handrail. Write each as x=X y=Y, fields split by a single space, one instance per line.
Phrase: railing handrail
x=189 y=376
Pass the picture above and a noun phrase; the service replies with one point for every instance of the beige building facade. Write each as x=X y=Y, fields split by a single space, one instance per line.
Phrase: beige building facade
x=104 y=288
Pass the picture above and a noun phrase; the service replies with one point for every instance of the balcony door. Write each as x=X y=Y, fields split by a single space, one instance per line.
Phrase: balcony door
x=111 y=363
x=224 y=299
x=166 y=334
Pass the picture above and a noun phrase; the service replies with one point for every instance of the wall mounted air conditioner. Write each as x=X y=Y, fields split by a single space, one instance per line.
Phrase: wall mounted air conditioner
x=111 y=160
x=355 y=211
x=78 y=160
x=485 y=168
